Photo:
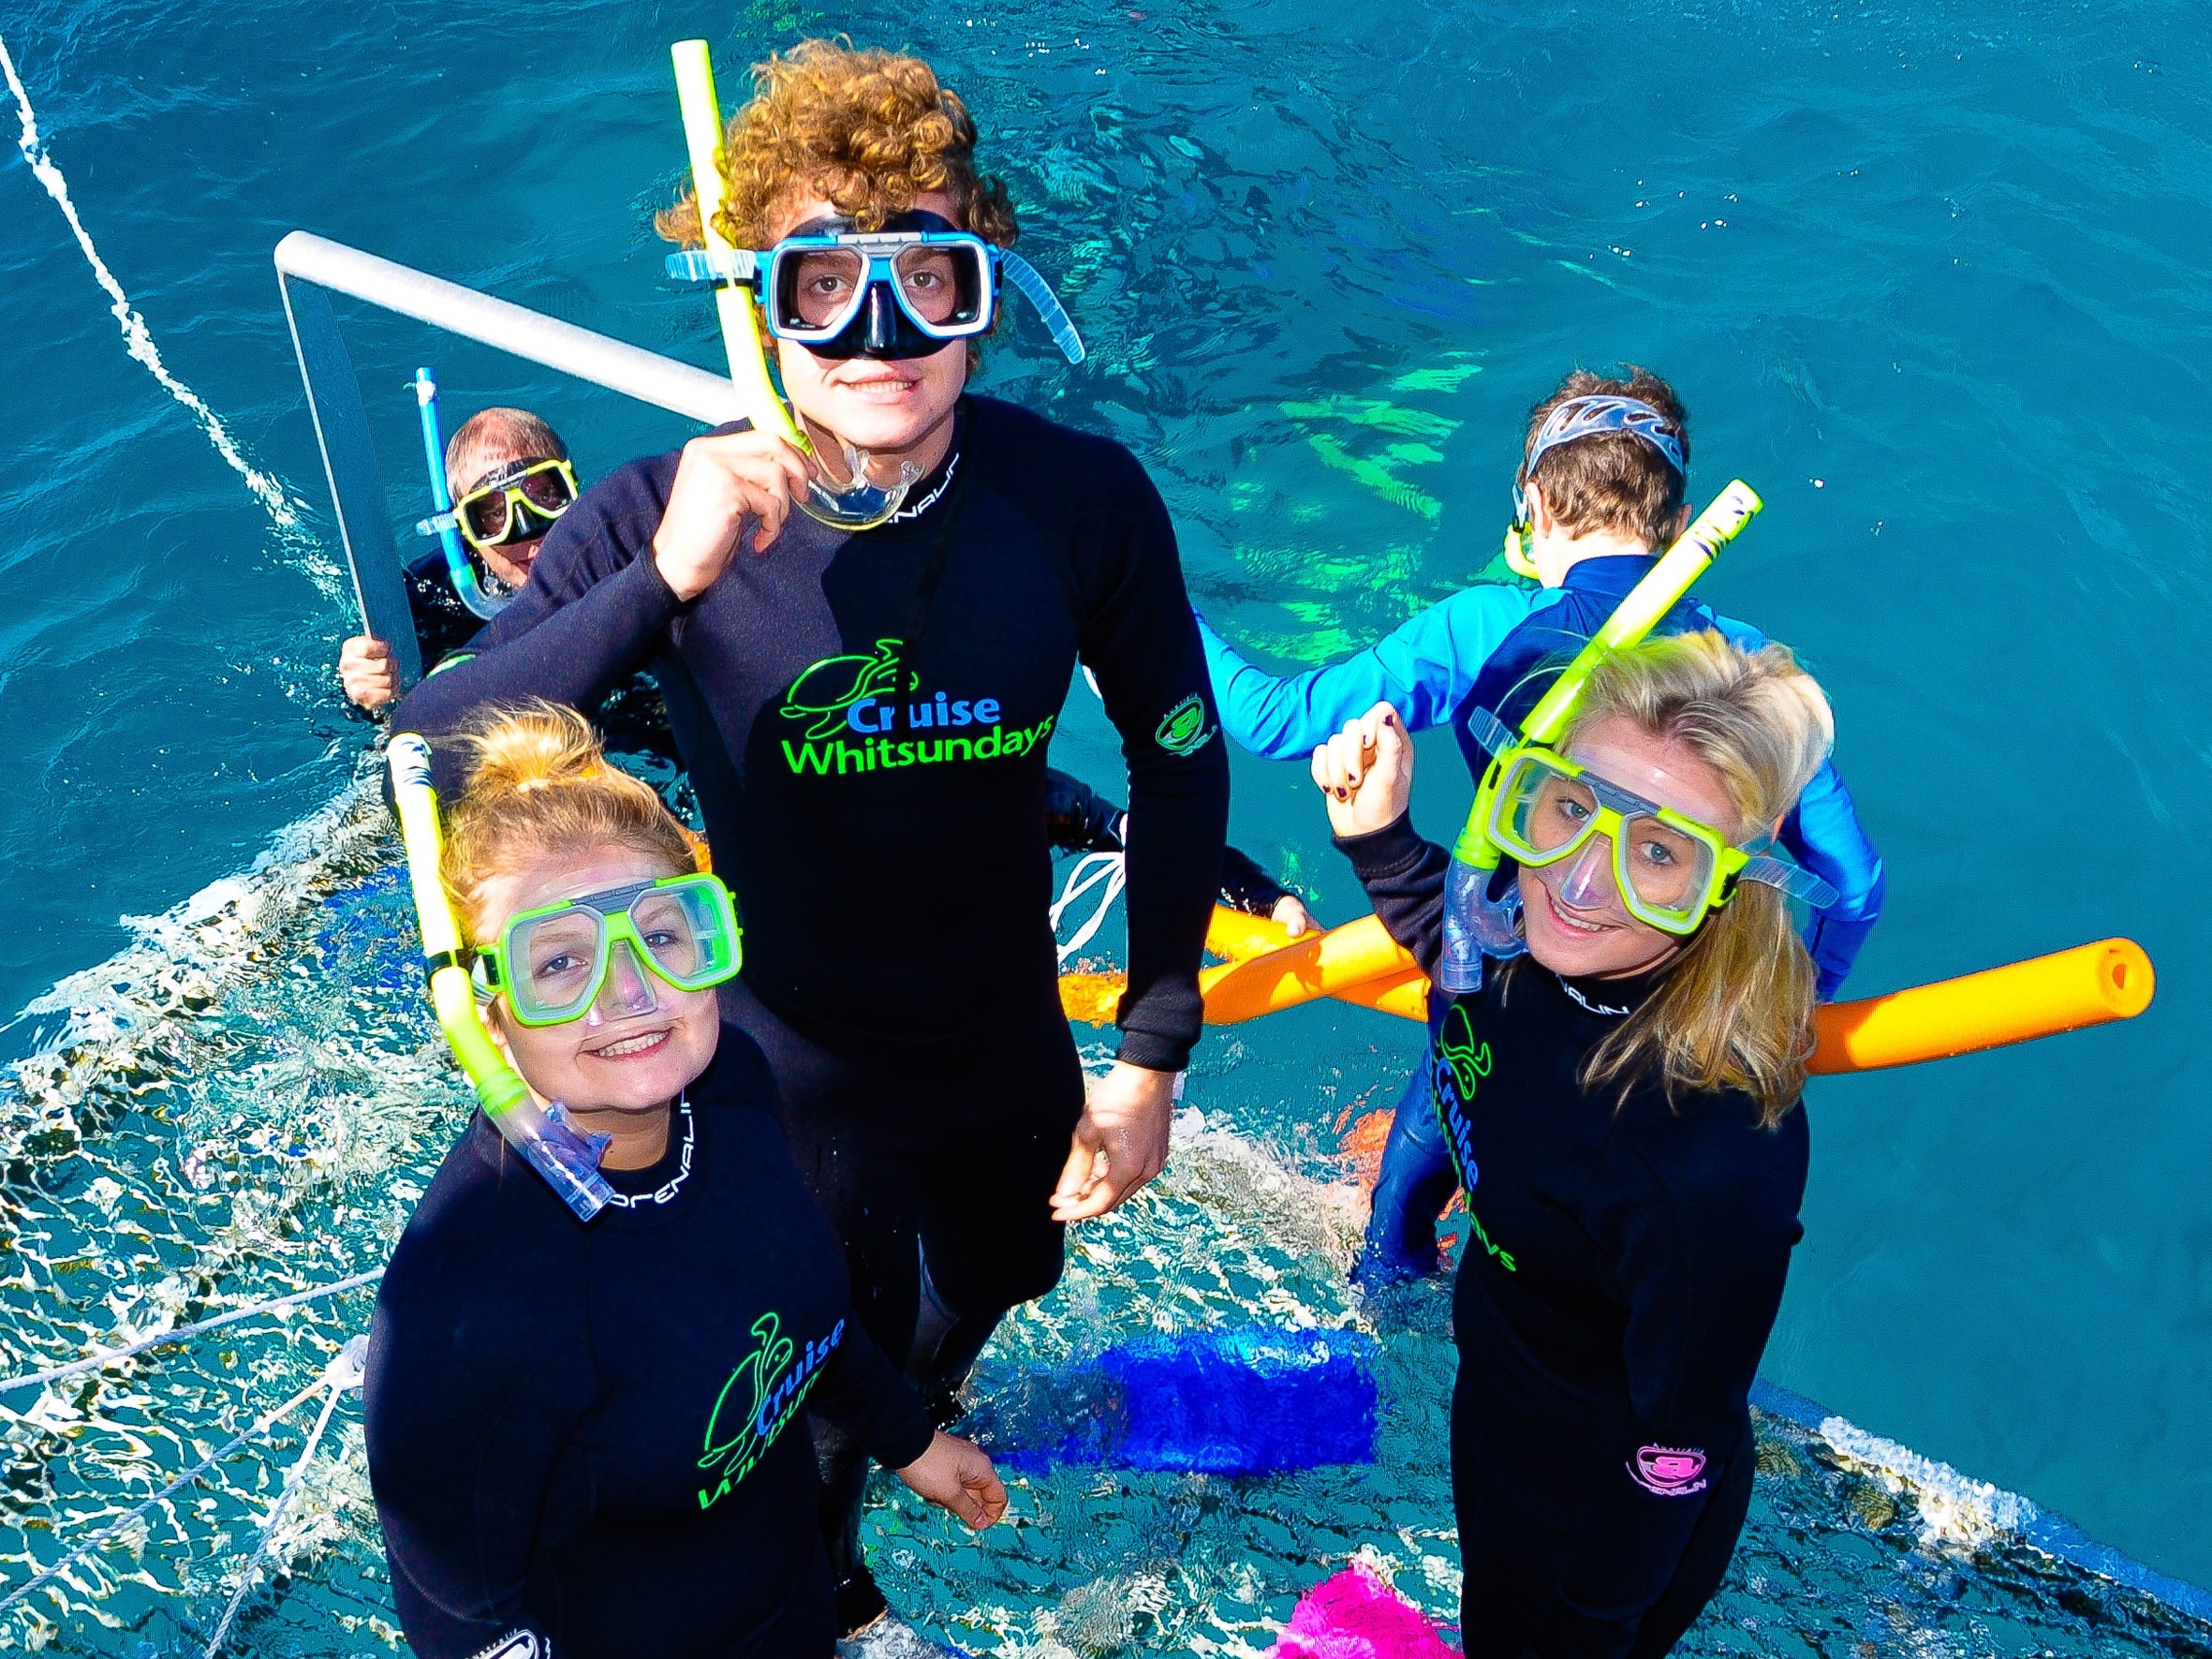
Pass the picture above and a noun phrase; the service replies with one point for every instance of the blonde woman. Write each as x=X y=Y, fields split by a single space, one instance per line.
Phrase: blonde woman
x=1622 y=1108
x=583 y=1439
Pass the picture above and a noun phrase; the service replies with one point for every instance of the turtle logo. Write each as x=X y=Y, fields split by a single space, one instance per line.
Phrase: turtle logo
x=1183 y=730
x=834 y=685
x=1455 y=1048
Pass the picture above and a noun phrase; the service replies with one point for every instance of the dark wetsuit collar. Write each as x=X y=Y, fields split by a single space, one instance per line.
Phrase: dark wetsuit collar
x=929 y=491
x=1611 y=577
x=659 y=1186
x=1613 y=998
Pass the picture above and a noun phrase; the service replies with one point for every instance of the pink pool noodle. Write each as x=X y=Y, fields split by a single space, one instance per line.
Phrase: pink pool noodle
x=1355 y=1615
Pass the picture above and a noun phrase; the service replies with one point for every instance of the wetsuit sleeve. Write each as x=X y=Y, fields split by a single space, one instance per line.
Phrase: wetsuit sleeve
x=1823 y=834
x=1423 y=670
x=862 y=1395
x=1247 y=887
x=1698 y=1258
x=1403 y=875
x=1140 y=639
x=593 y=613
x=465 y=1482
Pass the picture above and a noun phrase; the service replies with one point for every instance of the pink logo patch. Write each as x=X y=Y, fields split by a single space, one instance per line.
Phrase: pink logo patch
x=1672 y=1471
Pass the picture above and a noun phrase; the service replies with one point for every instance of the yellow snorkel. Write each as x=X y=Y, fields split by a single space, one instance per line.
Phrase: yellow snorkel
x=568 y=1160
x=859 y=504
x=1473 y=923
x=734 y=302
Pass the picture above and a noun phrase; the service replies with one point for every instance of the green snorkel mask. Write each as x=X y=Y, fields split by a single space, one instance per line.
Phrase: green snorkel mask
x=548 y=1142
x=1478 y=923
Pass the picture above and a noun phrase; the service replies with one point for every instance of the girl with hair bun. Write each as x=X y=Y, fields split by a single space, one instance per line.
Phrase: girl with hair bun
x=1622 y=1108
x=584 y=1438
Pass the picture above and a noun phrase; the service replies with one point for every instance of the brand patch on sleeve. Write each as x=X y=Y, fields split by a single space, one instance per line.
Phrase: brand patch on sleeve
x=1184 y=731
x=1672 y=1471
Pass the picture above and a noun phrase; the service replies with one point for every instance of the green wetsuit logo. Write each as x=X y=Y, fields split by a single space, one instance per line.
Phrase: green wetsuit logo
x=759 y=1402
x=1182 y=731
x=1455 y=1070
x=834 y=684
x=860 y=719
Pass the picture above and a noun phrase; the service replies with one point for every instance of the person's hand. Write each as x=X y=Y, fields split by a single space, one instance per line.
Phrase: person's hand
x=1120 y=1142
x=955 y=1475
x=367 y=671
x=720 y=481
x=1292 y=912
x=1366 y=772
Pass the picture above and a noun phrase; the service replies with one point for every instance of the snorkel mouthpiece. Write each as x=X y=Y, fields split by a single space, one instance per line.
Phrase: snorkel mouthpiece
x=1476 y=923
x=568 y=1160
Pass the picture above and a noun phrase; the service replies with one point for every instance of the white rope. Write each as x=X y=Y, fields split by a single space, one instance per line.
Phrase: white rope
x=184 y=1333
x=266 y=1422
x=345 y=1375
x=137 y=339
x=1092 y=869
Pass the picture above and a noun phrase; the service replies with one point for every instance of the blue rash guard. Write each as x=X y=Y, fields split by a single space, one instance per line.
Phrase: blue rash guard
x=1488 y=647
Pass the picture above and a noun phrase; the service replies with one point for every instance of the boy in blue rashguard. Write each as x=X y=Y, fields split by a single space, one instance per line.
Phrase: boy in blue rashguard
x=1600 y=491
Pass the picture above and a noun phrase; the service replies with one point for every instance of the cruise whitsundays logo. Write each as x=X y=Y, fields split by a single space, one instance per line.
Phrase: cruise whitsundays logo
x=857 y=721
x=1456 y=1069
x=757 y=1403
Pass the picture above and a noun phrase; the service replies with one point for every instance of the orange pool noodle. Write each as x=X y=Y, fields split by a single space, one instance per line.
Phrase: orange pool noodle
x=1321 y=965
x=2088 y=985
x=1358 y=962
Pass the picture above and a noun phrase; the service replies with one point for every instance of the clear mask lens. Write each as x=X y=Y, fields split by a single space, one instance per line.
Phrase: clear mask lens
x=1623 y=856
x=943 y=287
x=599 y=954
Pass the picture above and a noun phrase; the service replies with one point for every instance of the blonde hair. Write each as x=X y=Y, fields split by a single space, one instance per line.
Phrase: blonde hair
x=539 y=786
x=1734 y=1009
x=869 y=130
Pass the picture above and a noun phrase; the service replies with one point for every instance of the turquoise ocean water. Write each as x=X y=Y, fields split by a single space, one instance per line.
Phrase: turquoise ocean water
x=1933 y=278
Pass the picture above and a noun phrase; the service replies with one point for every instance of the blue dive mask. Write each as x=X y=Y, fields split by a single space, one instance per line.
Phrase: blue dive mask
x=908 y=291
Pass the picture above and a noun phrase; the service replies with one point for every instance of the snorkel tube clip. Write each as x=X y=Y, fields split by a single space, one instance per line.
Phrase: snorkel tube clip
x=1476 y=924
x=569 y=1162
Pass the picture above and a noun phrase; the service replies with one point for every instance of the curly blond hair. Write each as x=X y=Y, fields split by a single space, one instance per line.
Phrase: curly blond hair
x=869 y=131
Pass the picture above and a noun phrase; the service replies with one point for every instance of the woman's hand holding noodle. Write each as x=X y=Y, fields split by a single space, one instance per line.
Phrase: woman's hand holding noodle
x=720 y=481
x=1366 y=772
x=955 y=1475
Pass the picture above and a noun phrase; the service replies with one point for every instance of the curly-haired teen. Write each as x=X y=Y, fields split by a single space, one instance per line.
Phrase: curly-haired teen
x=865 y=716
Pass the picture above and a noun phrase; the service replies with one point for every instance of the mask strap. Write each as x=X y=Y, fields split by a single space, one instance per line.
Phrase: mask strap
x=1490 y=731
x=714 y=265
x=1791 y=879
x=1039 y=294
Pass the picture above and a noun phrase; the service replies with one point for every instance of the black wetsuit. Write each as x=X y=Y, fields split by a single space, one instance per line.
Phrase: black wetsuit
x=888 y=851
x=1078 y=819
x=1623 y=1273
x=591 y=1431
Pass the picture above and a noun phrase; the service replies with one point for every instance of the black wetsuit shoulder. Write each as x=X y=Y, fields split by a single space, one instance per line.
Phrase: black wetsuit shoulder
x=1625 y=1267
x=834 y=804
x=631 y=719
x=589 y=1431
